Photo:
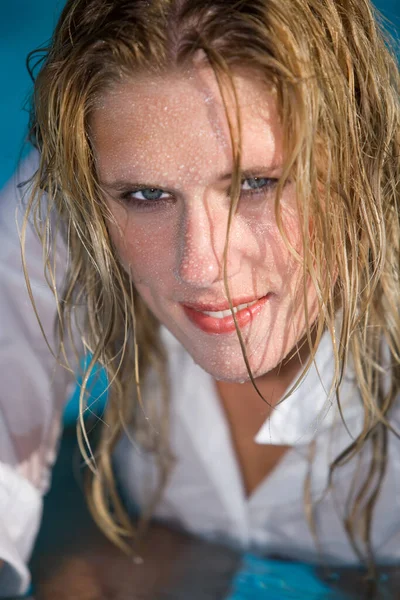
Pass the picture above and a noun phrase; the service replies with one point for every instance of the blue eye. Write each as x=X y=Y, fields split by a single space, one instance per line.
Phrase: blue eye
x=149 y=195
x=254 y=184
x=146 y=199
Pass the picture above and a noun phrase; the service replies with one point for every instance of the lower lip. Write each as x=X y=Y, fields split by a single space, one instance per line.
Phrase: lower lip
x=227 y=324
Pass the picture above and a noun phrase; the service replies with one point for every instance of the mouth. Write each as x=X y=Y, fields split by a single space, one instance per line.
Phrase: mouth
x=218 y=318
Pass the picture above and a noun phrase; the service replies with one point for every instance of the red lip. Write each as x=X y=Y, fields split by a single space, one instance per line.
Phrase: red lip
x=211 y=324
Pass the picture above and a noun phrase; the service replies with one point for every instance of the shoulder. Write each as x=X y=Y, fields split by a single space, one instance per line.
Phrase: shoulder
x=16 y=190
x=12 y=210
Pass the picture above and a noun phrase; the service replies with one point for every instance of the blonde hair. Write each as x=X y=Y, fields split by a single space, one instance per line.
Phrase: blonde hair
x=337 y=85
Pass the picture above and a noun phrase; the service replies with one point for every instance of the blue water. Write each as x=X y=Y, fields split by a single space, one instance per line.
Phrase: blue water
x=97 y=388
x=266 y=579
x=261 y=579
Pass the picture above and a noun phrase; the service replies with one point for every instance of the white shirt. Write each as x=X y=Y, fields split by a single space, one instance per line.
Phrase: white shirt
x=206 y=496
x=205 y=493
x=33 y=390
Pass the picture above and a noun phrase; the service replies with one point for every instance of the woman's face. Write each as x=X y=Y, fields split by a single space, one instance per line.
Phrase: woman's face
x=164 y=158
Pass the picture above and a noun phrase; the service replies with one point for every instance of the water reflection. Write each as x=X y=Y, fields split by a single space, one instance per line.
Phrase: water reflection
x=260 y=578
x=72 y=558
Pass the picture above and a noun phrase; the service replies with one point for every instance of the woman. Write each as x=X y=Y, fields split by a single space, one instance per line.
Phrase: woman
x=226 y=173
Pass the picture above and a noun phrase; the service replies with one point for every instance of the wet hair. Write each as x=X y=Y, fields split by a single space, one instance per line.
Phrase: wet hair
x=337 y=85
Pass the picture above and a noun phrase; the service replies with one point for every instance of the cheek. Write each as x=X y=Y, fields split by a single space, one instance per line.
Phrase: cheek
x=286 y=250
x=143 y=254
x=292 y=228
x=291 y=265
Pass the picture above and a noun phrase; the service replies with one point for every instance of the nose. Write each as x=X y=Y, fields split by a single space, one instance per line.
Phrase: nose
x=201 y=248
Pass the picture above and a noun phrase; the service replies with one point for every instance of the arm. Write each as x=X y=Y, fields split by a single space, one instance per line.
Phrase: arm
x=32 y=393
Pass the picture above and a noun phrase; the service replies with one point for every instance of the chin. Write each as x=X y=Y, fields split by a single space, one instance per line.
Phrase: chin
x=224 y=360
x=232 y=371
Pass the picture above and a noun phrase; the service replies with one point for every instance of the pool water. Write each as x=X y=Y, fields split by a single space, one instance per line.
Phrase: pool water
x=278 y=580
x=263 y=579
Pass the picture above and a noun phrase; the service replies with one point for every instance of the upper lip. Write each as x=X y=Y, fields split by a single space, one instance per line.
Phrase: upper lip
x=221 y=305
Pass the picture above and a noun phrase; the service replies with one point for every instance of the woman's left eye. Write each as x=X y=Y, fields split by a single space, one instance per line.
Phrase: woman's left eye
x=258 y=184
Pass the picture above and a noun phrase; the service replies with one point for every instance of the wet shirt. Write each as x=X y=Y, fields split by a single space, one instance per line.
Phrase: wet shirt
x=205 y=493
x=33 y=389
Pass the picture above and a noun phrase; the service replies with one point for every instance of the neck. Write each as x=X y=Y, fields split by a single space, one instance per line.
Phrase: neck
x=271 y=387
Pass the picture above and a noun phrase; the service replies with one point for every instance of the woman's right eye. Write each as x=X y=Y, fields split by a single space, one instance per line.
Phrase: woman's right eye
x=146 y=198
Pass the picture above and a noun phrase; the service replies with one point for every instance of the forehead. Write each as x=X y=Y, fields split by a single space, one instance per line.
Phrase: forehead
x=179 y=120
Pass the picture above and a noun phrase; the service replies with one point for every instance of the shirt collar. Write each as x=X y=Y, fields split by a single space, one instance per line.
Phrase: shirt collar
x=312 y=406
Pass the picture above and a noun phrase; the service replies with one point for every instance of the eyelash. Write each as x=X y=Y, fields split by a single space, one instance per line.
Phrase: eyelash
x=145 y=204
x=271 y=183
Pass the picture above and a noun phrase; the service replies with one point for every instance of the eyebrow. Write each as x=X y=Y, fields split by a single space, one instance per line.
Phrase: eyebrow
x=256 y=171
